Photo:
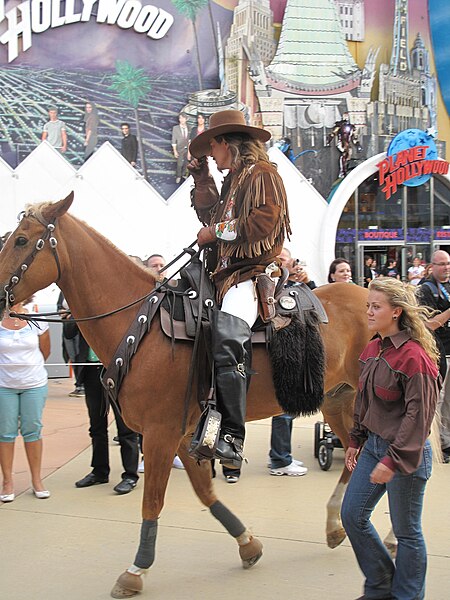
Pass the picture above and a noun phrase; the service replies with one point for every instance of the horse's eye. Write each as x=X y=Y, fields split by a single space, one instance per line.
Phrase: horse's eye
x=21 y=241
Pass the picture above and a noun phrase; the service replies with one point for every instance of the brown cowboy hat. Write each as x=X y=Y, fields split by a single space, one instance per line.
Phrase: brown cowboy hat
x=225 y=121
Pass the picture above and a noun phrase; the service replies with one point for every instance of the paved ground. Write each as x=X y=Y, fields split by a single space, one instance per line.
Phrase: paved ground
x=73 y=546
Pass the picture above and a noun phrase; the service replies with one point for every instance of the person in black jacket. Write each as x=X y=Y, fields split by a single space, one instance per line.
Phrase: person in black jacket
x=129 y=147
x=98 y=419
x=70 y=350
x=435 y=293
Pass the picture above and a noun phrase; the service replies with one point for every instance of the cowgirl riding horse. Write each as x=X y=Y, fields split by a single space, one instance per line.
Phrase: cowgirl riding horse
x=244 y=228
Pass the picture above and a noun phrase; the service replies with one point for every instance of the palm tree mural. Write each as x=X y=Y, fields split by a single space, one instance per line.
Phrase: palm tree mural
x=190 y=9
x=132 y=85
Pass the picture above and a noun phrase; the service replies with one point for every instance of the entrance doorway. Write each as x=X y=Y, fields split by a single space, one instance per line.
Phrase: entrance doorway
x=401 y=253
x=381 y=255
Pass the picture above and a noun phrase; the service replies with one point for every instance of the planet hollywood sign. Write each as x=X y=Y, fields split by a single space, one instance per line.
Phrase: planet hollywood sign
x=411 y=159
x=36 y=16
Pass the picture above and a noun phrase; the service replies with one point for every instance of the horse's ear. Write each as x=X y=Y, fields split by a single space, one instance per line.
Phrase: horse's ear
x=56 y=210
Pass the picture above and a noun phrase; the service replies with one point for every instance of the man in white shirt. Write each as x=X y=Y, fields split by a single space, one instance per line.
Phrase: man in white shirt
x=55 y=131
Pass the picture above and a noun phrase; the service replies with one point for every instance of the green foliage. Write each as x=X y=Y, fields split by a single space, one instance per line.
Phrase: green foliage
x=131 y=83
x=190 y=8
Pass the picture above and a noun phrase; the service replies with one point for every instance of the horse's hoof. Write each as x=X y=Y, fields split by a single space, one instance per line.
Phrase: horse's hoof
x=391 y=548
x=127 y=586
x=250 y=553
x=336 y=537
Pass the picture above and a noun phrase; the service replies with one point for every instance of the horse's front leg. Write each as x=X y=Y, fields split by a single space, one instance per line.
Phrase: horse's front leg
x=337 y=411
x=250 y=548
x=390 y=541
x=334 y=529
x=160 y=445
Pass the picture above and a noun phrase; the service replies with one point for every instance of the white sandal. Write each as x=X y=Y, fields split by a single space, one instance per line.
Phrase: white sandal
x=43 y=495
x=7 y=497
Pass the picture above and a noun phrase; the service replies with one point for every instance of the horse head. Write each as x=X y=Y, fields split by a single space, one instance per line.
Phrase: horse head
x=27 y=250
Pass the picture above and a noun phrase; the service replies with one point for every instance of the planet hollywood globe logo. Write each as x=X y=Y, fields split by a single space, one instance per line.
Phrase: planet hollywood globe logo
x=411 y=160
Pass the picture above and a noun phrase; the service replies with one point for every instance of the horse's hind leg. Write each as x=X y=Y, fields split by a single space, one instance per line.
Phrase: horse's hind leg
x=250 y=548
x=158 y=463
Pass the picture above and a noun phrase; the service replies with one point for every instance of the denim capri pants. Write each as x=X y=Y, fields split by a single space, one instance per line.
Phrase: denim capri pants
x=21 y=409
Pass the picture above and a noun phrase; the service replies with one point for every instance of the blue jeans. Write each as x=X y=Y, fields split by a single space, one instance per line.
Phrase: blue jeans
x=280 y=441
x=404 y=580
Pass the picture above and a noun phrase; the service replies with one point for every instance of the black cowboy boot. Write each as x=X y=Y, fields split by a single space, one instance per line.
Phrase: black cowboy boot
x=231 y=347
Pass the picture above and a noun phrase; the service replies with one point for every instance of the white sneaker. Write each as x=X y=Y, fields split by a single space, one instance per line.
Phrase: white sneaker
x=141 y=466
x=291 y=470
x=177 y=464
x=232 y=478
x=299 y=463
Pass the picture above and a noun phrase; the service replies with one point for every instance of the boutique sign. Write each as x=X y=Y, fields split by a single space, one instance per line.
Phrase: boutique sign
x=36 y=16
x=411 y=160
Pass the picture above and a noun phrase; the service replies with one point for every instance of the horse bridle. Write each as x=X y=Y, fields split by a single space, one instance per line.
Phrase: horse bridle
x=40 y=244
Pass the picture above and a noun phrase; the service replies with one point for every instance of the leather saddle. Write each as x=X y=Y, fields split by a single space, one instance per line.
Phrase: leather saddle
x=179 y=312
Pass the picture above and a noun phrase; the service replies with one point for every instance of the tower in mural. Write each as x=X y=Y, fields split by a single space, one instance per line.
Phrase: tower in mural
x=420 y=64
x=250 y=43
x=407 y=89
x=400 y=63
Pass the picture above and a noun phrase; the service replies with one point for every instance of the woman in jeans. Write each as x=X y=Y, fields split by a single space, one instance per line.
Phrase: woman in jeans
x=389 y=451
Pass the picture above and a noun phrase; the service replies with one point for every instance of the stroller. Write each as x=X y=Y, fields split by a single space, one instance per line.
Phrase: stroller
x=325 y=441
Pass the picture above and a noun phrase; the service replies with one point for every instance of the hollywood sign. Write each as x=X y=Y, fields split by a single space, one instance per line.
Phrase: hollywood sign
x=36 y=16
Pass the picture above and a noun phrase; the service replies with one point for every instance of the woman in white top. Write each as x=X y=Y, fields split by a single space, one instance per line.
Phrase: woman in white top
x=416 y=272
x=23 y=391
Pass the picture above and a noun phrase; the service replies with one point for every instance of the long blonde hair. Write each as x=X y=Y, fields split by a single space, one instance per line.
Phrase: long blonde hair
x=244 y=149
x=413 y=316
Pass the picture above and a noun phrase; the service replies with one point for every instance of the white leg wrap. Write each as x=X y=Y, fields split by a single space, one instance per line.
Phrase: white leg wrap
x=134 y=570
x=244 y=538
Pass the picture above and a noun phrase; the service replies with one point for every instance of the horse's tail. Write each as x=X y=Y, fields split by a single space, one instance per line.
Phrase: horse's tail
x=298 y=363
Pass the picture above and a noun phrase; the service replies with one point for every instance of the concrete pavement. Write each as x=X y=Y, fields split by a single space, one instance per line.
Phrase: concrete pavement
x=75 y=544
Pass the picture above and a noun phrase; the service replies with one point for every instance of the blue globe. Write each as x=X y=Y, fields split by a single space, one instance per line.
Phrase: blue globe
x=406 y=140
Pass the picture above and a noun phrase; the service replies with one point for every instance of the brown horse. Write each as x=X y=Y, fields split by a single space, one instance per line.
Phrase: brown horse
x=50 y=245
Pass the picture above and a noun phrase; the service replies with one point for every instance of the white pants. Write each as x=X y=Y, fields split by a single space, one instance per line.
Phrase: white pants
x=241 y=301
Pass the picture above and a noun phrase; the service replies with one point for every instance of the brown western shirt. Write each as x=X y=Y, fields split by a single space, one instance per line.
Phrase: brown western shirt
x=397 y=396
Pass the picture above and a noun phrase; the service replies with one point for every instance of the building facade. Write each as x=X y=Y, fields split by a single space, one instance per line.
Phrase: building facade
x=352 y=19
x=251 y=41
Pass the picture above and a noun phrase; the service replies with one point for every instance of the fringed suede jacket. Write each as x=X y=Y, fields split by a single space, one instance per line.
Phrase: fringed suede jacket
x=250 y=218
